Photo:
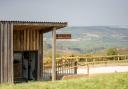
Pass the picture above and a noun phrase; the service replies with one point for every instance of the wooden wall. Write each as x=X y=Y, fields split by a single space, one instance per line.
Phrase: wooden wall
x=40 y=58
x=30 y=40
x=6 y=52
x=26 y=40
x=17 y=40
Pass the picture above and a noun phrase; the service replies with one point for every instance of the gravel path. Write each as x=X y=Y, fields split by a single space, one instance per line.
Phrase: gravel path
x=107 y=69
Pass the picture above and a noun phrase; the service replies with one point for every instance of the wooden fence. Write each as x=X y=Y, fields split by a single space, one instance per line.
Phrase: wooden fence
x=69 y=65
x=64 y=67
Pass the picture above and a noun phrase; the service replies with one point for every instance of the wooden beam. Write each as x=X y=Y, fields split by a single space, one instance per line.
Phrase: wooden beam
x=54 y=54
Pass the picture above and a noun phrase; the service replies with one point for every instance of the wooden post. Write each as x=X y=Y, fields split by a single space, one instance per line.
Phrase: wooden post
x=118 y=58
x=88 y=69
x=75 y=68
x=40 y=56
x=125 y=57
x=93 y=61
x=54 y=54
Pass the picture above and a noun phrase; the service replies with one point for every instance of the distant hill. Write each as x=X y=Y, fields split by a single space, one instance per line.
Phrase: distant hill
x=92 y=38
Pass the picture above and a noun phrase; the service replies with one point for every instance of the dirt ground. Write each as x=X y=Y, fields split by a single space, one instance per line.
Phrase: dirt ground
x=93 y=71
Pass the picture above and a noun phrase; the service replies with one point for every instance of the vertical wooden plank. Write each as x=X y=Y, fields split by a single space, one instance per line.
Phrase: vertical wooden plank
x=37 y=40
x=54 y=54
x=24 y=39
x=27 y=39
x=6 y=56
x=5 y=53
x=40 y=58
x=41 y=45
x=2 y=63
x=14 y=37
x=34 y=40
x=20 y=37
x=18 y=40
x=30 y=40
x=15 y=44
x=8 y=53
x=14 y=40
x=11 y=53
x=1 y=53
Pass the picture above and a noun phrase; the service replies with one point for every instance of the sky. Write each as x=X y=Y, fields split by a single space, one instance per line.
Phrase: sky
x=75 y=12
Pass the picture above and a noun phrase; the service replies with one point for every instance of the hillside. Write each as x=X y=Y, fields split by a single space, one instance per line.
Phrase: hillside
x=92 y=39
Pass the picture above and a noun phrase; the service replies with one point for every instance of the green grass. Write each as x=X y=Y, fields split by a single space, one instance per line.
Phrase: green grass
x=104 y=81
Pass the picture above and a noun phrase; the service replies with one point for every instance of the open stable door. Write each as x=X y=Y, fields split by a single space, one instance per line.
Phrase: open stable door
x=25 y=66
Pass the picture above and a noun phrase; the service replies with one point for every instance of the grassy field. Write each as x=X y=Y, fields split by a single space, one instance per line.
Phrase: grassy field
x=104 y=81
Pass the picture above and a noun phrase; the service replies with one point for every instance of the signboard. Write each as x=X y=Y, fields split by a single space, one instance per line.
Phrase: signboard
x=63 y=36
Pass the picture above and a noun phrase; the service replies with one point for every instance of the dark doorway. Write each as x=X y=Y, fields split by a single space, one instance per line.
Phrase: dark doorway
x=25 y=66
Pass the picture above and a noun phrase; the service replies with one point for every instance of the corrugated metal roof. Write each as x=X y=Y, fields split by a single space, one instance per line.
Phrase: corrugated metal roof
x=33 y=22
x=44 y=26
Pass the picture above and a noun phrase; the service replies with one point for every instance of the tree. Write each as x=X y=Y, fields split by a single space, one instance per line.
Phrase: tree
x=112 y=51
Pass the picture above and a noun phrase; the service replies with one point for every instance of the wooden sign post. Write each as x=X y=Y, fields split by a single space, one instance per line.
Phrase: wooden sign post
x=54 y=37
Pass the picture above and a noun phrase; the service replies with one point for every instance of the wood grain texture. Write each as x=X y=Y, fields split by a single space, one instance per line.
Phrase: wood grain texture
x=26 y=40
x=6 y=53
x=21 y=36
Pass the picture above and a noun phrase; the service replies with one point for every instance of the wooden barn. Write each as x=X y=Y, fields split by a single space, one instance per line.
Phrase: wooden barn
x=21 y=49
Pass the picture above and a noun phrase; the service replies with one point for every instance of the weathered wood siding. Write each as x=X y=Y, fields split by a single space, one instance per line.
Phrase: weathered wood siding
x=40 y=58
x=6 y=52
x=26 y=40
x=22 y=36
x=30 y=40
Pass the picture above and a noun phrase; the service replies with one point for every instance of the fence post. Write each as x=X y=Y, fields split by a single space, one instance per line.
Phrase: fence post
x=88 y=69
x=118 y=58
x=75 y=67
x=93 y=61
x=114 y=58
x=57 y=77
x=125 y=57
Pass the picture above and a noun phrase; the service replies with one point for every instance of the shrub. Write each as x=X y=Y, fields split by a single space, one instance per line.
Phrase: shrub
x=112 y=51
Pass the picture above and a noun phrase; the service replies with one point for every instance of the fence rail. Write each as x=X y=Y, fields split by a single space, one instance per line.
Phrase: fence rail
x=69 y=65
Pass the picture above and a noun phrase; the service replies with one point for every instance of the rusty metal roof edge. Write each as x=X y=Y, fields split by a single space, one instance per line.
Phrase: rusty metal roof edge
x=13 y=21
